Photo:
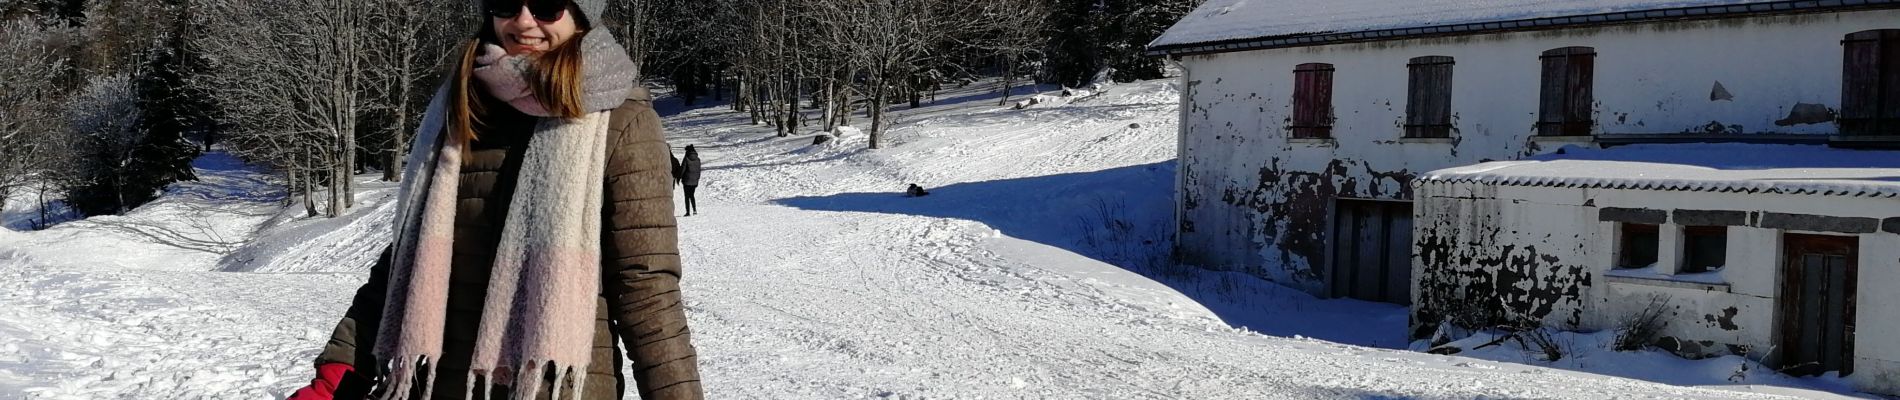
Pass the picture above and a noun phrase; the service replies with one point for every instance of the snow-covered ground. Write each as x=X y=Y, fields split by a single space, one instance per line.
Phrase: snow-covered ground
x=1033 y=270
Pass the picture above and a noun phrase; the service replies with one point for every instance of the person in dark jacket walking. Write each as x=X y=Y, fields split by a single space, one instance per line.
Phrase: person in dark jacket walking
x=532 y=248
x=689 y=178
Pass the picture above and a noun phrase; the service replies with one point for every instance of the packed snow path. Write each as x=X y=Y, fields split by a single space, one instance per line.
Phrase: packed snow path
x=808 y=276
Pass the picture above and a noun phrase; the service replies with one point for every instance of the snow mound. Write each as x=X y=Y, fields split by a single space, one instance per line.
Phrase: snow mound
x=187 y=228
x=292 y=242
x=1592 y=353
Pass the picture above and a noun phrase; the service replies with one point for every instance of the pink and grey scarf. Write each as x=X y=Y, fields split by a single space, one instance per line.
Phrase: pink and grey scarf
x=538 y=313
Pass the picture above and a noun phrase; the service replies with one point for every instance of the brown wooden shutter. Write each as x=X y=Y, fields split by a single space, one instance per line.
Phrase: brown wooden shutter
x=1870 y=83
x=1313 y=101
x=1428 y=103
x=1550 y=99
x=1581 y=81
x=1566 y=99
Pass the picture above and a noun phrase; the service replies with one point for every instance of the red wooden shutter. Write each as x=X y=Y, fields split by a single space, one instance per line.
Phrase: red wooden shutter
x=1428 y=101
x=1313 y=101
x=1870 y=83
x=1566 y=98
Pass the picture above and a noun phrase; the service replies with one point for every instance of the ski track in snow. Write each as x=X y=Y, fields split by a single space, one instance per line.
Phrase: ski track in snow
x=807 y=277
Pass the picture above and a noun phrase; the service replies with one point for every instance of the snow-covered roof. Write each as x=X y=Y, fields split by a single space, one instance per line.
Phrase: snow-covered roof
x=1233 y=25
x=1743 y=168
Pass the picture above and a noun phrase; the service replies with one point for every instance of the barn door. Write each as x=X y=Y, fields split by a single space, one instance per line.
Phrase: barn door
x=1372 y=251
x=1817 y=304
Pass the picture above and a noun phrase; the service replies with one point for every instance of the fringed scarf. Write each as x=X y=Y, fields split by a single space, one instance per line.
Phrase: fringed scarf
x=538 y=314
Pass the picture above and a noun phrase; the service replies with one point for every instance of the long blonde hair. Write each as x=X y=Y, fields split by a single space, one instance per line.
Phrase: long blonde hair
x=556 y=80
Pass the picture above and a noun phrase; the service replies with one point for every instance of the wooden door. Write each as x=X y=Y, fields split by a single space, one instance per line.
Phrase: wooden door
x=1816 y=308
x=1372 y=251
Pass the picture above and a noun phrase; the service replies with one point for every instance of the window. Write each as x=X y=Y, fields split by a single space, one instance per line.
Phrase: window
x=1428 y=102
x=1313 y=101
x=1638 y=247
x=1704 y=248
x=1565 y=101
x=1870 y=83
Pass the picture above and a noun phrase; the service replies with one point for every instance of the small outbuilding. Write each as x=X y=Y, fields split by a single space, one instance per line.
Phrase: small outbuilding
x=1788 y=254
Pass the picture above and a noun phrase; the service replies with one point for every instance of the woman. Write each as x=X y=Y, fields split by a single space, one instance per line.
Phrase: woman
x=534 y=236
x=689 y=178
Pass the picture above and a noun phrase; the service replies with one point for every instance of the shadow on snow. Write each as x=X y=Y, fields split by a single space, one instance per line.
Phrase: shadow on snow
x=1123 y=216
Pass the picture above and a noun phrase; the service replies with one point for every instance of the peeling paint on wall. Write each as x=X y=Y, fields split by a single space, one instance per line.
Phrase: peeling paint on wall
x=1467 y=275
x=1805 y=113
x=1720 y=93
x=1726 y=321
x=1717 y=128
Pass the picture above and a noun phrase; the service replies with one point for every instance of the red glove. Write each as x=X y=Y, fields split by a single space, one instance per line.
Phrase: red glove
x=324 y=386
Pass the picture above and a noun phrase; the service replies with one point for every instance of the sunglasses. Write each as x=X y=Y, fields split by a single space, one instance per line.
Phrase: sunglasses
x=543 y=10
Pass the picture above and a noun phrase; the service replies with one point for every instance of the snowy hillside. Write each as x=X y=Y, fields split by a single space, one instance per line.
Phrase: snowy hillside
x=1033 y=270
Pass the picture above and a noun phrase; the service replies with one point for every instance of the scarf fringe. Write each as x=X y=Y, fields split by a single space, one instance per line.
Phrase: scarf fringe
x=403 y=378
x=527 y=382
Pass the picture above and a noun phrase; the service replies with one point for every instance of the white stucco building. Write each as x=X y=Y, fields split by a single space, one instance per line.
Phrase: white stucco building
x=1783 y=253
x=1307 y=125
x=1305 y=122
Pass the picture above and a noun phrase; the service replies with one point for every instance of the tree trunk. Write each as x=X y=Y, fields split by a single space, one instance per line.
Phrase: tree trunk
x=787 y=103
x=1009 y=76
x=914 y=84
x=392 y=156
x=778 y=103
x=844 y=97
x=755 y=99
x=339 y=173
x=829 y=108
x=719 y=84
x=877 y=112
x=775 y=117
x=45 y=219
x=348 y=167
x=793 y=91
x=738 y=96
x=689 y=86
x=118 y=185
x=290 y=186
x=309 y=201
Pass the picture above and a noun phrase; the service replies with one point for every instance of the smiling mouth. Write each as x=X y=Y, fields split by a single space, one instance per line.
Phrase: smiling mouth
x=529 y=42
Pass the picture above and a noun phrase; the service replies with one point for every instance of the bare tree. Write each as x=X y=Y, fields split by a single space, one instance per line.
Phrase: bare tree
x=28 y=110
x=1014 y=34
x=404 y=51
x=292 y=82
x=893 y=39
x=120 y=34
